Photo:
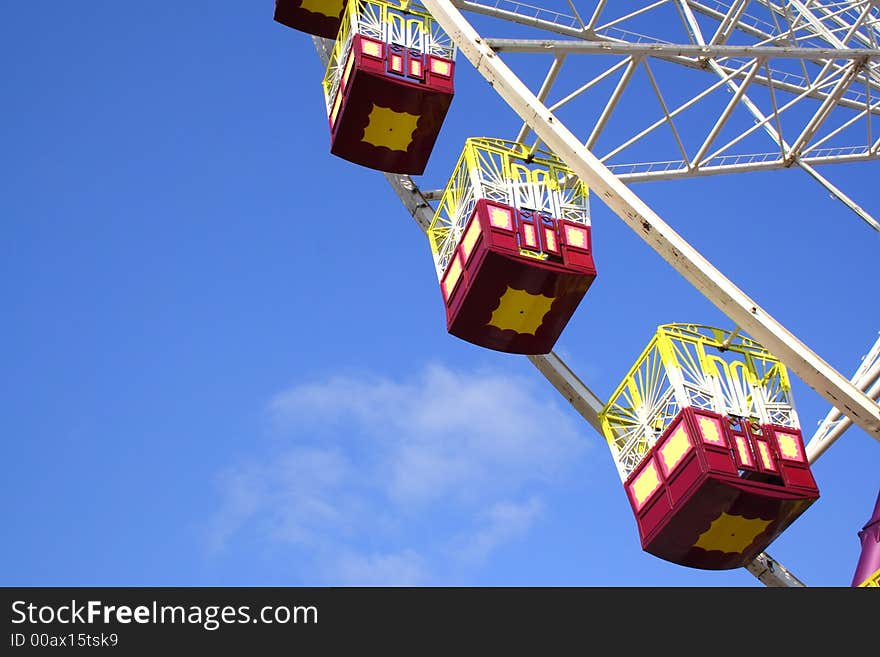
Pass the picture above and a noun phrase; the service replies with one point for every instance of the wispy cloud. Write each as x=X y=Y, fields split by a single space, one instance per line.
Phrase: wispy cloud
x=502 y=523
x=371 y=477
x=295 y=496
x=404 y=568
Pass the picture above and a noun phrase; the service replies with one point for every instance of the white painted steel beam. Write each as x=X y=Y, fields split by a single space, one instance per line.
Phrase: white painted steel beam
x=637 y=172
x=570 y=25
x=772 y=574
x=699 y=272
x=663 y=106
x=835 y=428
x=538 y=17
x=728 y=111
x=833 y=425
x=588 y=85
x=814 y=22
x=571 y=387
x=727 y=25
x=839 y=195
x=695 y=57
x=600 y=6
x=633 y=62
x=823 y=112
x=580 y=47
x=843 y=126
x=690 y=22
x=549 y=79
x=681 y=108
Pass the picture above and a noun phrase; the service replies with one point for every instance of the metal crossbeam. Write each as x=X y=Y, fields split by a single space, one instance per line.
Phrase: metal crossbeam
x=834 y=424
x=673 y=51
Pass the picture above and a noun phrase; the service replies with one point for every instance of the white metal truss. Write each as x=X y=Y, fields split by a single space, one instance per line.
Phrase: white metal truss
x=820 y=53
x=834 y=424
x=806 y=74
x=744 y=311
x=766 y=569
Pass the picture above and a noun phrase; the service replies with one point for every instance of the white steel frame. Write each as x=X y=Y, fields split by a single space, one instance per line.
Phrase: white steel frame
x=842 y=39
x=742 y=310
x=800 y=53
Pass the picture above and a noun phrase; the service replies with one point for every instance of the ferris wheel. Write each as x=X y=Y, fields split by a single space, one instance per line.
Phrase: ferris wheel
x=703 y=429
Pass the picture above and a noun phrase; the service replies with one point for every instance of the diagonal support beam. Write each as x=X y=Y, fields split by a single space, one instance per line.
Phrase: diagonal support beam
x=612 y=102
x=684 y=258
x=728 y=24
x=833 y=425
x=732 y=104
x=549 y=79
x=824 y=111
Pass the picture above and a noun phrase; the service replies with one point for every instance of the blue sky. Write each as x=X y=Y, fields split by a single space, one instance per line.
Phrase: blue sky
x=225 y=359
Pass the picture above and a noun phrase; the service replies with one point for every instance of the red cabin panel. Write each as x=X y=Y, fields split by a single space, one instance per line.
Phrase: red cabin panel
x=711 y=429
x=655 y=512
x=390 y=107
x=504 y=300
x=319 y=17
x=679 y=461
x=647 y=497
x=793 y=465
x=721 y=515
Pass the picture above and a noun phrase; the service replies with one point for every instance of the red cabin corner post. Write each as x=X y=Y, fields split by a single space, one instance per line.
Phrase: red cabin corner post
x=318 y=17
x=707 y=442
x=388 y=86
x=512 y=247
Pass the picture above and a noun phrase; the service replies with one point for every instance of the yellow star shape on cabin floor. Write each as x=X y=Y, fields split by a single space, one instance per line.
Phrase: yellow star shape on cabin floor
x=731 y=534
x=521 y=311
x=393 y=130
x=331 y=8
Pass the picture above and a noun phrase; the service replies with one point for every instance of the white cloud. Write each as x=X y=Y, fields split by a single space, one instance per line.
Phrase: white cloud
x=503 y=523
x=446 y=433
x=404 y=568
x=244 y=498
x=372 y=479
x=295 y=498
